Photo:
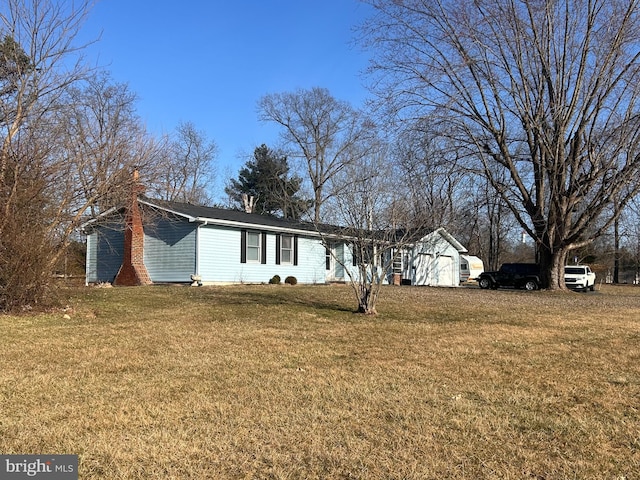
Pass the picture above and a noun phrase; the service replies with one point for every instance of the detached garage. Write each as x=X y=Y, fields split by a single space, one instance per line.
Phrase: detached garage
x=435 y=260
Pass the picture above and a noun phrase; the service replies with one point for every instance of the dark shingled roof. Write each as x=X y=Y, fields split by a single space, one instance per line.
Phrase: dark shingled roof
x=203 y=214
x=212 y=213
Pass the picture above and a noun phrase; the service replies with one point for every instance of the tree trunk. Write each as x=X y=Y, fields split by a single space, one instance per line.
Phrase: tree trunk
x=317 y=203
x=552 y=267
x=367 y=291
x=366 y=303
x=616 y=251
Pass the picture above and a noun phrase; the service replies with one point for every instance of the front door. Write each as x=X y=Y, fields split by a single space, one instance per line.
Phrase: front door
x=334 y=257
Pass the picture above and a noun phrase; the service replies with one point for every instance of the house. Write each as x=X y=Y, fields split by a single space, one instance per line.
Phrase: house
x=156 y=241
x=175 y=242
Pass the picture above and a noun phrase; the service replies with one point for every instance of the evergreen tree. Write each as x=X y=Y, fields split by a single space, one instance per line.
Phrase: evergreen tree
x=267 y=179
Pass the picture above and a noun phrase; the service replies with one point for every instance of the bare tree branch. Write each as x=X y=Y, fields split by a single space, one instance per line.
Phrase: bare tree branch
x=545 y=94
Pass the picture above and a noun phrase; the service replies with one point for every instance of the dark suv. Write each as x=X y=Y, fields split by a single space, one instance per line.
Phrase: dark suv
x=518 y=275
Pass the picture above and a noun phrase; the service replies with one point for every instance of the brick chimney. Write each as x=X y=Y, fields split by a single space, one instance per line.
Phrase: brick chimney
x=133 y=271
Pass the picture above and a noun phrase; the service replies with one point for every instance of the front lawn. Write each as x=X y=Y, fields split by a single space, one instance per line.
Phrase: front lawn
x=286 y=382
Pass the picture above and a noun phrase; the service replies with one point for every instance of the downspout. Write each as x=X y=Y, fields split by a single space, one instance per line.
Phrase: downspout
x=197 y=259
x=196 y=278
x=86 y=261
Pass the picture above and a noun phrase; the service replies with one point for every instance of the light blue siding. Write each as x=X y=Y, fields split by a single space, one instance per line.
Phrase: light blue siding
x=105 y=247
x=311 y=266
x=170 y=250
x=219 y=259
x=343 y=268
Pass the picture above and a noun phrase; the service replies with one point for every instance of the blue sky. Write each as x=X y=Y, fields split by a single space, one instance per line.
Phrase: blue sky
x=210 y=61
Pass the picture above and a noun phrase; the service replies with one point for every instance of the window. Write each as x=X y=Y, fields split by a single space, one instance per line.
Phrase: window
x=575 y=270
x=397 y=262
x=253 y=247
x=363 y=253
x=286 y=249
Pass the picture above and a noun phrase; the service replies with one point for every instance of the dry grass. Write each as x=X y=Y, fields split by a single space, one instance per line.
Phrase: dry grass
x=287 y=383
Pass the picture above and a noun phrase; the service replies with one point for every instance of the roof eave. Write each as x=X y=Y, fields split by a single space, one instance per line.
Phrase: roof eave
x=273 y=228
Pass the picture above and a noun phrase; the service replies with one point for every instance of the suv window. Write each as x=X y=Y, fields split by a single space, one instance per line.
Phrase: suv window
x=532 y=269
x=507 y=268
x=520 y=268
x=574 y=270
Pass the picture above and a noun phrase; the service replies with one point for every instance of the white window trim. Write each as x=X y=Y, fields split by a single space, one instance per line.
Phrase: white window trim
x=283 y=249
x=250 y=247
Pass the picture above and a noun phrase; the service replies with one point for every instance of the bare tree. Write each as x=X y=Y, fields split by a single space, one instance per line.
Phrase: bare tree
x=623 y=247
x=325 y=132
x=37 y=37
x=484 y=222
x=544 y=93
x=104 y=141
x=374 y=221
x=633 y=237
x=38 y=63
x=187 y=171
x=432 y=175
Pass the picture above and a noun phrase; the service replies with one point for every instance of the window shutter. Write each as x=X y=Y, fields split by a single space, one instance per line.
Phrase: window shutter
x=264 y=248
x=295 y=249
x=243 y=246
x=278 y=249
x=327 y=258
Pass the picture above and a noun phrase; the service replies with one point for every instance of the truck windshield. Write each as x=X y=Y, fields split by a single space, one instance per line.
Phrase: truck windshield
x=574 y=270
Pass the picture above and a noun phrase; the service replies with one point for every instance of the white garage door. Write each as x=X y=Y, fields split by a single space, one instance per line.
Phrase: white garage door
x=444 y=271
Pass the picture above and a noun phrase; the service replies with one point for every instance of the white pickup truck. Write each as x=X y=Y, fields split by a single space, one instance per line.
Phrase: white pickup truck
x=579 y=277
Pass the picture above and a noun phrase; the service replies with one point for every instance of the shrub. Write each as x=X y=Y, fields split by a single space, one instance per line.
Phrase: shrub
x=291 y=280
x=275 y=280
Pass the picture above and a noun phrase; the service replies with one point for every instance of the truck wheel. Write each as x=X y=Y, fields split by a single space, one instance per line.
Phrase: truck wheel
x=592 y=287
x=531 y=285
x=484 y=283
